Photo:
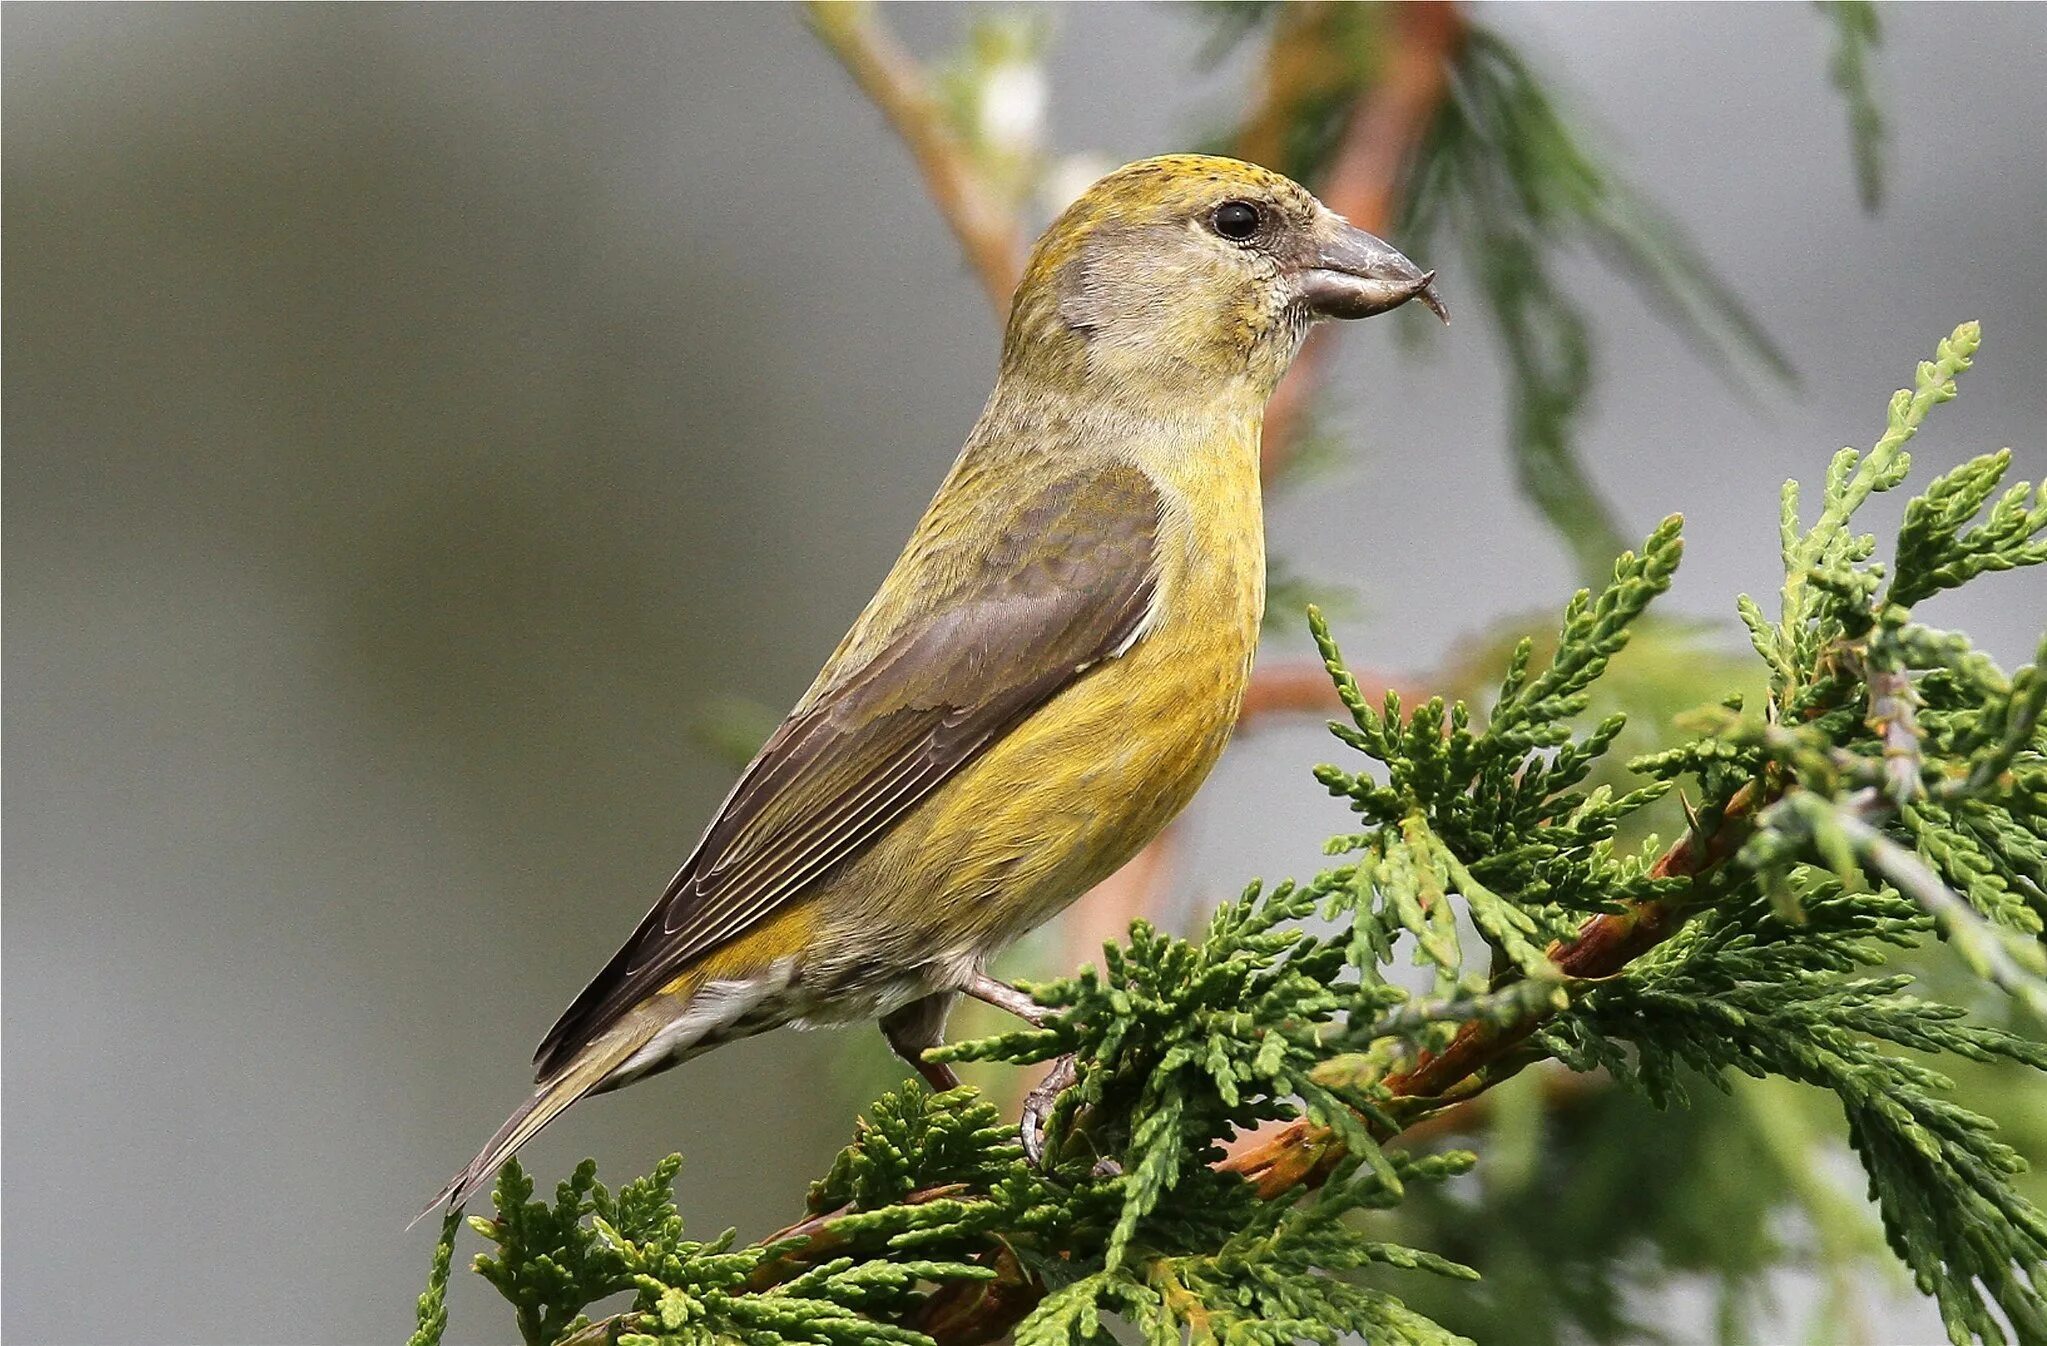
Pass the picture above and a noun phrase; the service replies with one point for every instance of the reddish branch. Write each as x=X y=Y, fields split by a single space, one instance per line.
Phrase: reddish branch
x=1305 y=688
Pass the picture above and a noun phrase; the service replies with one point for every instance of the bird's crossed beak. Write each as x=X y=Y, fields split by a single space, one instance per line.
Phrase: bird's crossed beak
x=1354 y=275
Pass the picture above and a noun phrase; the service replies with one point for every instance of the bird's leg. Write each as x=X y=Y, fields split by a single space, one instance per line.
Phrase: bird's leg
x=1003 y=996
x=1039 y=1102
x=916 y=1026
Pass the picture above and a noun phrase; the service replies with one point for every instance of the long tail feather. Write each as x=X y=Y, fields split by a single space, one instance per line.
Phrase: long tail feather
x=588 y=1070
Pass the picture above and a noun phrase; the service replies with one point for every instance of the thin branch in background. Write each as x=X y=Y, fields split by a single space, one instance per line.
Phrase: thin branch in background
x=1367 y=175
x=893 y=81
x=1558 y=1089
x=1302 y=688
x=1130 y=892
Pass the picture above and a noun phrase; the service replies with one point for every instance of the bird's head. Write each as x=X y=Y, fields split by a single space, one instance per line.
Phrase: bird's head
x=1191 y=272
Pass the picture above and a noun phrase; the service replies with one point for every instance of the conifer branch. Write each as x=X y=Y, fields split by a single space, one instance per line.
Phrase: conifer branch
x=1304 y=1154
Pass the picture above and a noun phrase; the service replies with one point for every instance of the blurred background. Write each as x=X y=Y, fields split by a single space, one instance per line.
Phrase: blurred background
x=434 y=434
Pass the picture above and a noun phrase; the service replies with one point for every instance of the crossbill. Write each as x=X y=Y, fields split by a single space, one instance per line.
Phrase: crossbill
x=1046 y=674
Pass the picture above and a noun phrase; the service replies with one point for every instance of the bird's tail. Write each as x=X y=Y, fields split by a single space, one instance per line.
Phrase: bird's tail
x=585 y=1072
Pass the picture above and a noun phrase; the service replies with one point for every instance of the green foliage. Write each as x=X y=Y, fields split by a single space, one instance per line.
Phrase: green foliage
x=432 y=1318
x=1251 y=1289
x=1180 y=1043
x=1877 y=720
x=1907 y=779
x=920 y=1142
x=550 y=1265
x=1891 y=788
x=1463 y=810
x=554 y=1261
x=1745 y=989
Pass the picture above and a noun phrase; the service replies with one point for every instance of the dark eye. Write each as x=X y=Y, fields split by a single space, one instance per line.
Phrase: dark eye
x=1237 y=220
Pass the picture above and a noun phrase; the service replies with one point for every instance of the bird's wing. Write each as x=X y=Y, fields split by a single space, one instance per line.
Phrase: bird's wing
x=1064 y=583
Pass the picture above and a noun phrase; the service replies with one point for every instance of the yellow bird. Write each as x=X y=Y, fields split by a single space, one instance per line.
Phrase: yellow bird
x=1045 y=676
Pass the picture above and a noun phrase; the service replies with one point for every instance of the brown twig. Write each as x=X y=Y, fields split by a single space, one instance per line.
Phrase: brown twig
x=1560 y=1091
x=894 y=82
x=1305 y=688
x=1370 y=168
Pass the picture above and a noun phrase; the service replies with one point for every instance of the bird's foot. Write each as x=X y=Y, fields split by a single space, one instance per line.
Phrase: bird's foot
x=1038 y=1105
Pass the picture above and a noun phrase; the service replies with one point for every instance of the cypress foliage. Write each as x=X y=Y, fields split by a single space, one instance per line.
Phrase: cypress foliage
x=1889 y=791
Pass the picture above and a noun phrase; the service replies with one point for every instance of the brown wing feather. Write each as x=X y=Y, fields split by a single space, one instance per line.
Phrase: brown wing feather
x=1065 y=585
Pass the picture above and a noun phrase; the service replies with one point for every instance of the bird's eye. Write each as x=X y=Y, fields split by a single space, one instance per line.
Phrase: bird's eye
x=1237 y=220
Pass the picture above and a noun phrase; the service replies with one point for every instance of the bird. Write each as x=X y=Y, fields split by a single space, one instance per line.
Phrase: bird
x=1046 y=674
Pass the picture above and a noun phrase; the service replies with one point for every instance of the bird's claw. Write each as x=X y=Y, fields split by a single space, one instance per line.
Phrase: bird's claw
x=1038 y=1105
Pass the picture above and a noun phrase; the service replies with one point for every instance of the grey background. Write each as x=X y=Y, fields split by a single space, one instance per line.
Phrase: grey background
x=413 y=415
